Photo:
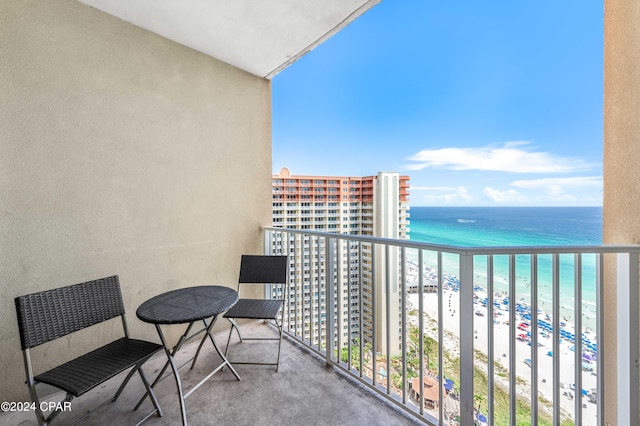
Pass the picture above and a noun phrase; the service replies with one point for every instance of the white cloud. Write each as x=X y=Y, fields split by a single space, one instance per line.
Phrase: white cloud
x=510 y=196
x=454 y=195
x=433 y=188
x=554 y=183
x=557 y=187
x=510 y=157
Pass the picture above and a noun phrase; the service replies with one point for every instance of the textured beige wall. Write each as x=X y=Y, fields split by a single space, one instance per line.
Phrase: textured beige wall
x=120 y=153
x=621 y=157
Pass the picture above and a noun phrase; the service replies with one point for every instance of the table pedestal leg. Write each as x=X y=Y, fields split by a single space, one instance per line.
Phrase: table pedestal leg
x=225 y=361
x=176 y=375
x=175 y=350
x=171 y=362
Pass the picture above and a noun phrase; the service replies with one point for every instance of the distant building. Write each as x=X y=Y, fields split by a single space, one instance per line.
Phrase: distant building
x=373 y=206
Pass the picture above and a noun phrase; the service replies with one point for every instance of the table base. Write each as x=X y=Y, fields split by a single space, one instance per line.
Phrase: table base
x=171 y=362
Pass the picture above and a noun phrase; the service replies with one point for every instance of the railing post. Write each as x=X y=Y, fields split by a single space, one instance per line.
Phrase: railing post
x=440 y=327
x=268 y=241
x=388 y=322
x=490 y=342
x=512 y=340
x=600 y=332
x=421 y=325
x=555 y=345
x=534 y=339
x=329 y=300
x=627 y=336
x=403 y=292
x=577 y=322
x=466 y=340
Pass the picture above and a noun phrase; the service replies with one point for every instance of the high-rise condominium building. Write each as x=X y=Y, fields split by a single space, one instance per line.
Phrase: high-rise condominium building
x=373 y=206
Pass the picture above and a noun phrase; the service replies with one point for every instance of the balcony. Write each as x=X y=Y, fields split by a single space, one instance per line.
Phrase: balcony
x=302 y=386
x=473 y=339
x=113 y=163
x=473 y=370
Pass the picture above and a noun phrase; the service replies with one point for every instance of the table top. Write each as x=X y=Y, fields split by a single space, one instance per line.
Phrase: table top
x=187 y=304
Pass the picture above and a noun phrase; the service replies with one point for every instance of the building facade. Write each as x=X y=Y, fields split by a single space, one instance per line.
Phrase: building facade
x=372 y=206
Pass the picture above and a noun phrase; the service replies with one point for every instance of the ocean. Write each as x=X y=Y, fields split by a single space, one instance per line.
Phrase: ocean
x=518 y=226
x=507 y=226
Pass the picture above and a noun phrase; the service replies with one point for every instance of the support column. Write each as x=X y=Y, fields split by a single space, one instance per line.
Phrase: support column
x=621 y=199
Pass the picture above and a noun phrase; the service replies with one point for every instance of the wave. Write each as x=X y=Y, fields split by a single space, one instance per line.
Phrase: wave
x=466 y=221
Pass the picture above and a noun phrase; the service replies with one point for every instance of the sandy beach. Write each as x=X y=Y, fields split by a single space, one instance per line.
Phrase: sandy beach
x=501 y=330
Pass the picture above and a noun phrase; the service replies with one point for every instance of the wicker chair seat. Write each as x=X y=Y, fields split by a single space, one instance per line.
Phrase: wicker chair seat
x=255 y=309
x=82 y=374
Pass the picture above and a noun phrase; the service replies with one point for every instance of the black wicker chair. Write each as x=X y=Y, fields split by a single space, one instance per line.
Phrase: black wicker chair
x=260 y=270
x=48 y=315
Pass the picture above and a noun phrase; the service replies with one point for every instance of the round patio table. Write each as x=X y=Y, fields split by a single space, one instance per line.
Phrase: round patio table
x=188 y=306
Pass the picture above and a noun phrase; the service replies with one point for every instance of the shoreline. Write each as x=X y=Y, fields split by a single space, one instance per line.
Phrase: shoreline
x=451 y=281
x=501 y=332
x=521 y=332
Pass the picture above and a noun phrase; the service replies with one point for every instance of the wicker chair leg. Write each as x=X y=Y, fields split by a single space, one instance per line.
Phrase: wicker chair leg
x=226 y=349
x=233 y=325
x=33 y=393
x=281 y=327
x=42 y=421
x=152 y=394
x=124 y=383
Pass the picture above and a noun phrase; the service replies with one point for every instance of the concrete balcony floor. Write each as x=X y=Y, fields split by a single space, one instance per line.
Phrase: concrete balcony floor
x=303 y=391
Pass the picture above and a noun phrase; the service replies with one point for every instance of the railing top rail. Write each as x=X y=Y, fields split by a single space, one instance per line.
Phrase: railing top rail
x=468 y=250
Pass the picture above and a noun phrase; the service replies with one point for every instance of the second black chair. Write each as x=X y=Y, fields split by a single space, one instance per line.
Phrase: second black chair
x=261 y=270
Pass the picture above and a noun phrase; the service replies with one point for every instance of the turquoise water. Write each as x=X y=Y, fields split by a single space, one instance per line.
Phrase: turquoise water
x=518 y=226
x=507 y=226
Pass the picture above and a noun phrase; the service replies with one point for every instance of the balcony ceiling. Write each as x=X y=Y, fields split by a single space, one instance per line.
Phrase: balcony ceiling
x=261 y=37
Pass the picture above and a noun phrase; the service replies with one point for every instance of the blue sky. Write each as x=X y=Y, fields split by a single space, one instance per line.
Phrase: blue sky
x=480 y=103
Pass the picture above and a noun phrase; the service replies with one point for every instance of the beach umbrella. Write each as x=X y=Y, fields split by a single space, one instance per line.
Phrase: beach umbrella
x=481 y=420
x=448 y=384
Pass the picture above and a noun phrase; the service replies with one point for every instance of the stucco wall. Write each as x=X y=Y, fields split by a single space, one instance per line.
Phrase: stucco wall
x=120 y=153
x=621 y=159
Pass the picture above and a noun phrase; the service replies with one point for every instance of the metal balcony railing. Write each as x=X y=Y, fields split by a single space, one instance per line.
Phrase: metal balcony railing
x=496 y=335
